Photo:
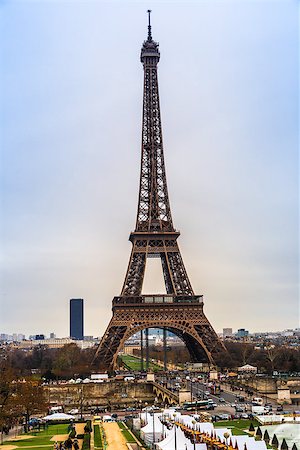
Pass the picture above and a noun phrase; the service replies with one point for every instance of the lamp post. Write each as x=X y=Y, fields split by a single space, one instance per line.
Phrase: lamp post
x=194 y=436
x=146 y=408
x=153 y=431
x=175 y=437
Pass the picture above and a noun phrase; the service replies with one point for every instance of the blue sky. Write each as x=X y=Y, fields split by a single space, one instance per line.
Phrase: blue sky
x=71 y=96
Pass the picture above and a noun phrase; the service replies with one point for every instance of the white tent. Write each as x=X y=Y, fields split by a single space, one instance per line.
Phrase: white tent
x=59 y=416
x=182 y=443
x=152 y=432
x=219 y=432
x=256 y=445
x=205 y=427
x=247 y=442
x=239 y=442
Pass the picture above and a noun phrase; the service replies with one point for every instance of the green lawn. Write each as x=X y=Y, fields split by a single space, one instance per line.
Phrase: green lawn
x=40 y=439
x=237 y=426
x=126 y=433
x=134 y=363
x=97 y=437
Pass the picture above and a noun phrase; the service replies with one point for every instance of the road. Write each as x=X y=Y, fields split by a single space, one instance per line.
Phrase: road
x=229 y=399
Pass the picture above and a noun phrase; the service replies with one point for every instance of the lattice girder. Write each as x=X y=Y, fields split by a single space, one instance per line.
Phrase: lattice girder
x=184 y=320
x=155 y=236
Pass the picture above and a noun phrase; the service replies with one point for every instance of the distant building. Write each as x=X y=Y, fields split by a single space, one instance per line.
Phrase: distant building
x=52 y=335
x=241 y=333
x=57 y=343
x=287 y=333
x=39 y=337
x=247 y=368
x=227 y=332
x=76 y=318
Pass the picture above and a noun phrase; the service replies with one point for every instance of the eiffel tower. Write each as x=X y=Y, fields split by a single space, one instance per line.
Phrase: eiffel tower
x=180 y=310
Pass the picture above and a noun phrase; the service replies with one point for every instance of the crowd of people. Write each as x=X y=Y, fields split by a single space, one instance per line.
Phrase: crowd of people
x=68 y=444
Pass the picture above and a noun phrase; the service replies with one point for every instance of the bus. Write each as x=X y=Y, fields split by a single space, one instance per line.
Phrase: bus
x=199 y=404
x=215 y=389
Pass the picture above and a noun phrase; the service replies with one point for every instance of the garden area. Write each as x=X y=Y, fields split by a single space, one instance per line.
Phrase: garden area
x=134 y=363
x=238 y=427
x=73 y=435
x=38 y=439
x=126 y=433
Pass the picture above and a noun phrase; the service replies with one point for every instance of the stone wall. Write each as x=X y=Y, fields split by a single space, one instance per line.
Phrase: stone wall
x=262 y=385
x=100 y=394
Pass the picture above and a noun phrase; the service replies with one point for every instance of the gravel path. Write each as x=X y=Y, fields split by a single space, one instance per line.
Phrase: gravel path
x=114 y=437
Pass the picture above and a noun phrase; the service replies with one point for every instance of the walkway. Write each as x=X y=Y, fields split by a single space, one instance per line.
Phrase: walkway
x=114 y=437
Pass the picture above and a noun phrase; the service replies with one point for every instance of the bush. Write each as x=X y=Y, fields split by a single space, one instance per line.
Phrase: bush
x=72 y=433
x=97 y=437
x=88 y=426
x=80 y=436
x=86 y=442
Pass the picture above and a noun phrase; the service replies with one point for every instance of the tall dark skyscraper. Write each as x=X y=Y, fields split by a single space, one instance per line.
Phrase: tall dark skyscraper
x=76 y=318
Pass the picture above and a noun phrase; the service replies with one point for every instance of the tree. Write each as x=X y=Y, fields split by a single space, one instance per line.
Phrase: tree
x=266 y=436
x=247 y=351
x=284 y=445
x=274 y=441
x=272 y=353
x=258 y=433
x=7 y=391
x=251 y=428
x=30 y=398
x=68 y=361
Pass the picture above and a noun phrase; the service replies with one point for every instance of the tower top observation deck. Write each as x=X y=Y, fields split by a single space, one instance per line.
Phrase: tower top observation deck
x=150 y=53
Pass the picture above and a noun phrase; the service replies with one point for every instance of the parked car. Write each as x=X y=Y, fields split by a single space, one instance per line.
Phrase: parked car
x=34 y=422
x=224 y=416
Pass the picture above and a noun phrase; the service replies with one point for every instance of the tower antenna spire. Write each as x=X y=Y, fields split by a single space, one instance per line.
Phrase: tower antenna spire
x=149 y=25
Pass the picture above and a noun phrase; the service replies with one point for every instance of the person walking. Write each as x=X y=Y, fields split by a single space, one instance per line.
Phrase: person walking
x=69 y=444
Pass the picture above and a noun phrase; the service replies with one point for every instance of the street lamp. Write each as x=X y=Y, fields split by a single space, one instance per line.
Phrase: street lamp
x=175 y=437
x=163 y=426
x=153 y=429
x=194 y=436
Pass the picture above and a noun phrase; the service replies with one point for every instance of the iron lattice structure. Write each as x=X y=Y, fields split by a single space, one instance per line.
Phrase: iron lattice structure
x=180 y=311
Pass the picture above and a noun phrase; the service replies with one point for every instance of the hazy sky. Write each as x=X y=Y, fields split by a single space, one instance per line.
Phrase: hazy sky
x=71 y=101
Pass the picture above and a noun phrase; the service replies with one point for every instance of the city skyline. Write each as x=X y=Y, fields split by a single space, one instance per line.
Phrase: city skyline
x=71 y=126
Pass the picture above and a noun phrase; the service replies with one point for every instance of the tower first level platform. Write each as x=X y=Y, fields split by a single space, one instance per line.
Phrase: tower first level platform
x=182 y=315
